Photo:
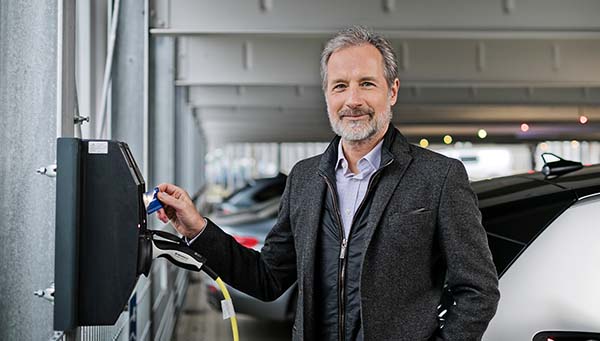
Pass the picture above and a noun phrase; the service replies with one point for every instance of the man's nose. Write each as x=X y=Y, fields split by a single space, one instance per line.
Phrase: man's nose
x=354 y=99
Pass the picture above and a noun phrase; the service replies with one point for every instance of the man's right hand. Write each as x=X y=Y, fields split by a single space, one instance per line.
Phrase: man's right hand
x=179 y=208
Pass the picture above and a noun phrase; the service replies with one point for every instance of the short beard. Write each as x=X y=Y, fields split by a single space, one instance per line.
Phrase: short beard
x=357 y=131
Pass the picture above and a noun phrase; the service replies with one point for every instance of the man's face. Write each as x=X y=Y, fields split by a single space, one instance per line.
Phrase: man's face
x=359 y=100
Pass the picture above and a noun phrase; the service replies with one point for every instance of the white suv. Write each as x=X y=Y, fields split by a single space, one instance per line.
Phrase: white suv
x=544 y=234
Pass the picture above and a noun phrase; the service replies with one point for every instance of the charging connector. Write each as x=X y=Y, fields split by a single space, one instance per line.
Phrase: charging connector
x=161 y=244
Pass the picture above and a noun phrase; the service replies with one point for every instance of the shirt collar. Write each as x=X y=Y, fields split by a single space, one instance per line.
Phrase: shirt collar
x=373 y=158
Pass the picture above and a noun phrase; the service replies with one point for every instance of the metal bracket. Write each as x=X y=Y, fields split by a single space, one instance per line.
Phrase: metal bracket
x=49 y=171
x=80 y=119
x=57 y=335
x=47 y=294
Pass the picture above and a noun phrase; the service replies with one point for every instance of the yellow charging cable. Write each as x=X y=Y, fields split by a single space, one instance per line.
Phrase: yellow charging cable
x=234 y=326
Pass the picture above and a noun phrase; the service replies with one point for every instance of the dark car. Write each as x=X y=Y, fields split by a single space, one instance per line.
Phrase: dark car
x=256 y=195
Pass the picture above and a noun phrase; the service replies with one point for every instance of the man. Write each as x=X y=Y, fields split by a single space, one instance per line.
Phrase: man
x=371 y=229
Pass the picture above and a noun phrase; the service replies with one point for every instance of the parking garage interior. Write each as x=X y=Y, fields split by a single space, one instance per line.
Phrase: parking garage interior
x=212 y=95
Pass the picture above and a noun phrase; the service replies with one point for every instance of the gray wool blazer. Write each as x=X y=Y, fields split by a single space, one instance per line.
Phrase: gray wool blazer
x=424 y=228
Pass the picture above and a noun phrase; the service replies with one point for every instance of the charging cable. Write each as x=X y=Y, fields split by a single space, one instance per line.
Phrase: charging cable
x=226 y=304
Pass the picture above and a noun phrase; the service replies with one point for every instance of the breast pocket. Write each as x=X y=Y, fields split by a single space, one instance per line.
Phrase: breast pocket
x=420 y=215
x=411 y=230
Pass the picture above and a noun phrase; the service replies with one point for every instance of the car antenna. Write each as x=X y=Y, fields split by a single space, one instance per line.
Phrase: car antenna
x=559 y=167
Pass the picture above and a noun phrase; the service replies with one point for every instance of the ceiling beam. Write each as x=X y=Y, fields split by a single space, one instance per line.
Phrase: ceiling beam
x=436 y=63
x=424 y=17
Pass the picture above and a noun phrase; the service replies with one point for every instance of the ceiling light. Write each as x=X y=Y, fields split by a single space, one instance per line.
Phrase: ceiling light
x=524 y=127
x=581 y=112
x=482 y=133
x=424 y=143
x=447 y=139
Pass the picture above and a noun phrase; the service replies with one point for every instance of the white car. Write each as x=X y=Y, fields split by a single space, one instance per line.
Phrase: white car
x=544 y=234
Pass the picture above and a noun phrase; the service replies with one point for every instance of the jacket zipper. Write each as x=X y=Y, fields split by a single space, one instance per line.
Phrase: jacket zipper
x=344 y=247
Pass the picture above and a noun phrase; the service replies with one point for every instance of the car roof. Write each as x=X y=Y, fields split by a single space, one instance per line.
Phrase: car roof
x=535 y=186
x=583 y=182
x=516 y=209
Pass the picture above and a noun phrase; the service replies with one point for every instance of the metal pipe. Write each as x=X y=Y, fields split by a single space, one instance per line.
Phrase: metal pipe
x=108 y=68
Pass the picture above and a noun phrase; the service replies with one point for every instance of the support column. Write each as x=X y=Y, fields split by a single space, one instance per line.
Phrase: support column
x=190 y=144
x=199 y=154
x=184 y=141
x=162 y=110
x=127 y=98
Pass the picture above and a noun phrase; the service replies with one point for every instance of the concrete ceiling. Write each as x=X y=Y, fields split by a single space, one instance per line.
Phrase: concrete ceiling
x=250 y=68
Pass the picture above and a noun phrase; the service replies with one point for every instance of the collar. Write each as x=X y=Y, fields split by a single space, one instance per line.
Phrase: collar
x=373 y=158
x=394 y=147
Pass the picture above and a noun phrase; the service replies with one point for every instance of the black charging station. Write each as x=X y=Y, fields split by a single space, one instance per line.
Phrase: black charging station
x=102 y=242
x=100 y=216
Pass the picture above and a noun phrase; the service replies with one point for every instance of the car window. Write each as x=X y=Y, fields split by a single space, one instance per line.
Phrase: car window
x=238 y=194
x=512 y=225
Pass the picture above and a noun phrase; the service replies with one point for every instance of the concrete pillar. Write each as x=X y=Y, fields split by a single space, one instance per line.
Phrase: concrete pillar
x=28 y=101
x=127 y=99
x=184 y=141
x=91 y=58
x=200 y=148
x=190 y=145
x=162 y=110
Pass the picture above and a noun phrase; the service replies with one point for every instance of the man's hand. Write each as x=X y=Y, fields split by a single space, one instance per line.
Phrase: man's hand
x=180 y=209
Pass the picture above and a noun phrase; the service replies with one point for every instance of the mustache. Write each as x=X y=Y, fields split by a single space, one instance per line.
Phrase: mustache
x=356 y=112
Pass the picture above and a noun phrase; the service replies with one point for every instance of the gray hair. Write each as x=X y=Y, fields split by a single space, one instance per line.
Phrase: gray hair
x=360 y=35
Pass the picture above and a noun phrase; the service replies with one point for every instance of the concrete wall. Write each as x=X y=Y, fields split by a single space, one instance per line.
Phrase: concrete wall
x=28 y=115
x=28 y=112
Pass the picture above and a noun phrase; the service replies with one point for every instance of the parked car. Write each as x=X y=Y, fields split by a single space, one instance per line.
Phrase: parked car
x=250 y=230
x=256 y=195
x=248 y=214
x=544 y=235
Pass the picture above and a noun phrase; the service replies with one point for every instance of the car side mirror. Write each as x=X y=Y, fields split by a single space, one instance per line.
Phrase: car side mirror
x=566 y=336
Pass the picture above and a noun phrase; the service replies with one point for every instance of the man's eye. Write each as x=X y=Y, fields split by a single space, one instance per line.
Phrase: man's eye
x=339 y=86
x=367 y=84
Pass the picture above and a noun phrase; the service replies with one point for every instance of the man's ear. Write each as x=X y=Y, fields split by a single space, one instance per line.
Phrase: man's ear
x=394 y=91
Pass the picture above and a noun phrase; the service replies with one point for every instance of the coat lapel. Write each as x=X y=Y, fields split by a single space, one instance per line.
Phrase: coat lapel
x=390 y=178
x=397 y=157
